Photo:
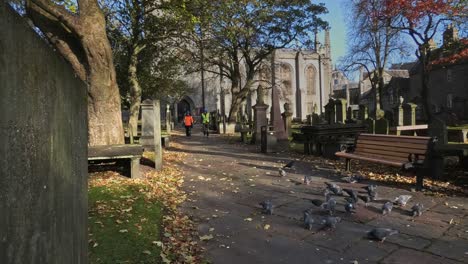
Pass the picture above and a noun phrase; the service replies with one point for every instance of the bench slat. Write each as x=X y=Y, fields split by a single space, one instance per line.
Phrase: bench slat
x=383 y=153
x=392 y=148
x=375 y=136
x=371 y=159
x=393 y=144
x=415 y=140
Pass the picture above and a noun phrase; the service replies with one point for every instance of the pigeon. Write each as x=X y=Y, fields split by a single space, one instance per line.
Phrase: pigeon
x=353 y=179
x=417 y=209
x=282 y=173
x=334 y=188
x=349 y=207
x=307 y=179
x=372 y=191
x=352 y=193
x=387 y=208
x=267 y=207
x=330 y=206
x=317 y=202
x=308 y=220
x=330 y=222
x=366 y=199
x=402 y=200
x=351 y=200
x=381 y=234
x=289 y=165
x=327 y=194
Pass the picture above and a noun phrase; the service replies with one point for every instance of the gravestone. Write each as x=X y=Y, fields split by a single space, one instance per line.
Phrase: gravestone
x=409 y=114
x=363 y=113
x=438 y=128
x=381 y=126
x=43 y=150
x=340 y=108
x=157 y=135
x=287 y=119
x=276 y=118
x=309 y=120
x=370 y=123
x=260 y=116
x=330 y=112
x=147 y=123
x=349 y=114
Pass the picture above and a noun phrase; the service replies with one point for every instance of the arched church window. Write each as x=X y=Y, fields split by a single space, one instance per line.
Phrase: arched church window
x=286 y=78
x=310 y=78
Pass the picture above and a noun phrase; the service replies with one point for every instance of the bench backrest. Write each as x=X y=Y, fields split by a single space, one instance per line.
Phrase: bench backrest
x=391 y=147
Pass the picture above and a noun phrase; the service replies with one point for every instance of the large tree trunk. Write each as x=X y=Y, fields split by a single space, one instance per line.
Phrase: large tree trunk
x=135 y=92
x=83 y=41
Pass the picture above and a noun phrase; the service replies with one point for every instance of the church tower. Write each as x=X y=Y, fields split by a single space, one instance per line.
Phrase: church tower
x=327 y=67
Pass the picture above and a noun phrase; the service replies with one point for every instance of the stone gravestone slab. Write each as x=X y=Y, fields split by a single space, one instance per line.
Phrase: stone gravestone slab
x=43 y=150
x=381 y=126
x=340 y=108
x=287 y=119
x=370 y=123
x=363 y=112
x=147 y=123
x=330 y=112
x=398 y=113
x=260 y=116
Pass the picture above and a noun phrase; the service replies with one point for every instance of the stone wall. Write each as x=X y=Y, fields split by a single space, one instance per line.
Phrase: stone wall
x=43 y=150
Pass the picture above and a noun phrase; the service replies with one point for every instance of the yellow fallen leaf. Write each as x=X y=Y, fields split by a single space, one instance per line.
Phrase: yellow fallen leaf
x=158 y=243
x=206 y=237
x=123 y=231
x=266 y=227
x=248 y=219
x=147 y=252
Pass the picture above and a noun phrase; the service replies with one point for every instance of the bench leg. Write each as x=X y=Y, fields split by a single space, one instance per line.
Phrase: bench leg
x=348 y=164
x=135 y=168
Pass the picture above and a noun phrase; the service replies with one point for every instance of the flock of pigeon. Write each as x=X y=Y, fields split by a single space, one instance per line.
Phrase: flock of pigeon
x=351 y=197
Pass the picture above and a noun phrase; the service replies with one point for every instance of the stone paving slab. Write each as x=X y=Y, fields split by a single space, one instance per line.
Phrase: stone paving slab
x=226 y=206
x=411 y=256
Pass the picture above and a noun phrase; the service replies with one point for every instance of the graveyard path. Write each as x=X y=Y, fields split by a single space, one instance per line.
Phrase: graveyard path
x=226 y=180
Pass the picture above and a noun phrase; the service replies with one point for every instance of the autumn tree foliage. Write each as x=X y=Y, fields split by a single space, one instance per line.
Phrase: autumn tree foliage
x=372 y=42
x=422 y=20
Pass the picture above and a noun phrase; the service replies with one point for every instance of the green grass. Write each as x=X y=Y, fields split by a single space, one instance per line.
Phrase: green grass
x=123 y=225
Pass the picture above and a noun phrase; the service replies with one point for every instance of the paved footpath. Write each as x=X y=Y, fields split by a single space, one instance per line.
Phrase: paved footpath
x=226 y=180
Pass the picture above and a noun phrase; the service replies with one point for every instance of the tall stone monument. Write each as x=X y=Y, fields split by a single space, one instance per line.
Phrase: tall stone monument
x=43 y=139
x=276 y=119
x=287 y=119
x=260 y=117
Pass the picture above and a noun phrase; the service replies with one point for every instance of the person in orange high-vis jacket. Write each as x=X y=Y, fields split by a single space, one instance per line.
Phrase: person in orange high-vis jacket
x=188 y=122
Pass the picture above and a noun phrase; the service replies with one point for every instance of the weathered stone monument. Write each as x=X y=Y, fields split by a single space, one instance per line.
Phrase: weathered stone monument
x=381 y=126
x=330 y=112
x=398 y=112
x=287 y=119
x=43 y=139
x=260 y=116
x=340 y=108
x=409 y=114
x=151 y=129
x=168 y=119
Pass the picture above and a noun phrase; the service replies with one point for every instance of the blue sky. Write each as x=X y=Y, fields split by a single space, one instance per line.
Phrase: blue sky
x=336 y=19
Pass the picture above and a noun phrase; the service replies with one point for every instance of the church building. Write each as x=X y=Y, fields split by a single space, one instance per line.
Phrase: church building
x=303 y=77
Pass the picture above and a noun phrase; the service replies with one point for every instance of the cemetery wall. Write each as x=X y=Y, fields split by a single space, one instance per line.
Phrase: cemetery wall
x=43 y=150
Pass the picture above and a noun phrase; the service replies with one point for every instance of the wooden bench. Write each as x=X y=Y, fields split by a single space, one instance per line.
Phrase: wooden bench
x=409 y=129
x=405 y=152
x=132 y=153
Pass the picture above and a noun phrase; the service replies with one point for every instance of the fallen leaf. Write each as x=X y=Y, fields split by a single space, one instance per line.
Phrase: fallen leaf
x=147 y=252
x=123 y=231
x=158 y=243
x=206 y=237
x=266 y=227
x=248 y=219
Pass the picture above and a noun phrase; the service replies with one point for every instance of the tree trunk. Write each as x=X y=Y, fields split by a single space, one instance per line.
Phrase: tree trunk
x=81 y=38
x=135 y=92
x=104 y=108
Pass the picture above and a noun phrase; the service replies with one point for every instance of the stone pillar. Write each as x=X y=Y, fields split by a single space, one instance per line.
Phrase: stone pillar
x=260 y=117
x=340 y=106
x=398 y=113
x=147 y=123
x=168 y=118
x=363 y=112
x=176 y=114
x=43 y=153
x=157 y=135
x=287 y=119
x=276 y=119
